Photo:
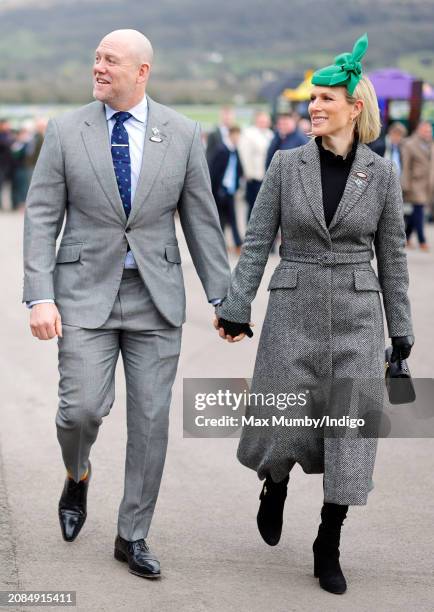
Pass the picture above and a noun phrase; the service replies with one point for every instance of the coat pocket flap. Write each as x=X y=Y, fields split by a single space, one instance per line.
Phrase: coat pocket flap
x=283 y=279
x=68 y=253
x=366 y=280
x=172 y=254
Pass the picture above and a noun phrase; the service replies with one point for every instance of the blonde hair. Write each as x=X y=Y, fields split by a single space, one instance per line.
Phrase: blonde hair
x=368 y=123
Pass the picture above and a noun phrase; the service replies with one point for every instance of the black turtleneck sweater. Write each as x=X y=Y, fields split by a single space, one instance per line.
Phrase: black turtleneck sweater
x=334 y=174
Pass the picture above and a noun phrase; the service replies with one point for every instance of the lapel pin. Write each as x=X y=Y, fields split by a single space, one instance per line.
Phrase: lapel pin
x=360 y=178
x=156 y=136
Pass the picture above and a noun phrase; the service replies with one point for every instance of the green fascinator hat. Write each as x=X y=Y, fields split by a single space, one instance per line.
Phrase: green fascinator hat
x=347 y=69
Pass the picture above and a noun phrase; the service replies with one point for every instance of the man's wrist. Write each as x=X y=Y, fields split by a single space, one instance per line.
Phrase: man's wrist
x=34 y=302
x=216 y=301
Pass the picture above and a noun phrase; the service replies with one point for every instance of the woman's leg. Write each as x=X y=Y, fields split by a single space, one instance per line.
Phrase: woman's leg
x=326 y=548
x=270 y=514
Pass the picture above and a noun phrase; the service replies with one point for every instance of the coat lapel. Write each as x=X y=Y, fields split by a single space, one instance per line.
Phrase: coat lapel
x=310 y=173
x=154 y=152
x=96 y=142
x=357 y=182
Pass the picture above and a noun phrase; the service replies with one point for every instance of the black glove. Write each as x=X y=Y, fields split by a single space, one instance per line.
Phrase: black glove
x=401 y=347
x=235 y=329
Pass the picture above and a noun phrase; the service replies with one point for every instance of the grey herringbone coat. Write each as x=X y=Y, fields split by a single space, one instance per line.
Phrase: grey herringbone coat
x=324 y=319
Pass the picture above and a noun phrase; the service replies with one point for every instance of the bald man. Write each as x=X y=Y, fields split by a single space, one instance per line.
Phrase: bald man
x=116 y=171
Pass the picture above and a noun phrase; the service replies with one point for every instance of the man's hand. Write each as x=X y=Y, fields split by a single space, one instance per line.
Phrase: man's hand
x=227 y=337
x=45 y=321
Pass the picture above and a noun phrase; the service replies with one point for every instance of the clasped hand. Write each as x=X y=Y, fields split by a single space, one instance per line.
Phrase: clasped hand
x=231 y=331
x=401 y=347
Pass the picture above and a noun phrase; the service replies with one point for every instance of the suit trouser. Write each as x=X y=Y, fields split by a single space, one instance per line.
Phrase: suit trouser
x=4 y=178
x=252 y=189
x=415 y=221
x=226 y=210
x=87 y=362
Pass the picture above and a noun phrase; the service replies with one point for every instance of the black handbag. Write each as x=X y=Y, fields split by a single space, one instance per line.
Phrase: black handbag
x=399 y=384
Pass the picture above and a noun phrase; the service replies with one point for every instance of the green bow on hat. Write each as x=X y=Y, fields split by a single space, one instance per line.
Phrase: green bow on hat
x=347 y=69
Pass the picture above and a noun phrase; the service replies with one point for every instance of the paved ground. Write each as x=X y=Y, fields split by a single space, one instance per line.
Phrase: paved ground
x=204 y=529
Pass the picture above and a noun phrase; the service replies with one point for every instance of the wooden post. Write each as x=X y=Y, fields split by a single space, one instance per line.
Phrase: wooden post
x=415 y=105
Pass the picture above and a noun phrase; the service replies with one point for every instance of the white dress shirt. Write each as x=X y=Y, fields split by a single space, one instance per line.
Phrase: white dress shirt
x=136 y=129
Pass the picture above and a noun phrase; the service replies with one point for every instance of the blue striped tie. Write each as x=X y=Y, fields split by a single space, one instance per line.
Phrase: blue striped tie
x=121 y=158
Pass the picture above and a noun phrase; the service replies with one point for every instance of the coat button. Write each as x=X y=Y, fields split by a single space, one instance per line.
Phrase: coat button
x=128 y=230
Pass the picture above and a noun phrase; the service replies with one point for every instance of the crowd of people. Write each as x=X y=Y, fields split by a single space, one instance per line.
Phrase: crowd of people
x=414 y=159
x=239 y=158
x=19 y=150
x=234 y=154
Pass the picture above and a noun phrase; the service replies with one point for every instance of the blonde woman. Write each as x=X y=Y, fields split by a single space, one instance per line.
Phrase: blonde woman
x=335 y=202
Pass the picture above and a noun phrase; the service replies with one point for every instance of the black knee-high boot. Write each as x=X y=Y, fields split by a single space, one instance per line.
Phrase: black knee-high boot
x=326 y=549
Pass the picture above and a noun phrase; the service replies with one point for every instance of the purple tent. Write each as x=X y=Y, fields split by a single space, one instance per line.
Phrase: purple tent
x=395 y=84
x=392 y=83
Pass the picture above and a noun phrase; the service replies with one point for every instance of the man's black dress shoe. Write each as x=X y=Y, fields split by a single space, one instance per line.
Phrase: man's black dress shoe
x=270 y=514
x=141 y=561
x=73 y=506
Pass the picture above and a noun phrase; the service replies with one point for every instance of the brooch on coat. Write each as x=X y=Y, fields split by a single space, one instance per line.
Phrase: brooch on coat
x=360 y=178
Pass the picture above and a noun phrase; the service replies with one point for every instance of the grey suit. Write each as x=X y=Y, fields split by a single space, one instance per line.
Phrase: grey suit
x=74 y=174
x=106 y=310
x=324 y=318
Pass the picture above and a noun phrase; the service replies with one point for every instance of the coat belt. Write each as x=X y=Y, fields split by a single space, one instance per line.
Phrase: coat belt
x=326 y=258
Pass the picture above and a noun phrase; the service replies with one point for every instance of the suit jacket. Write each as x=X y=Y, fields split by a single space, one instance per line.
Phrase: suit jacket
x=379 y=145
x=213 y=142
x=6 y=160
x=291 y=141
x=217 y=168
x=417 y=176
x=74 y=178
